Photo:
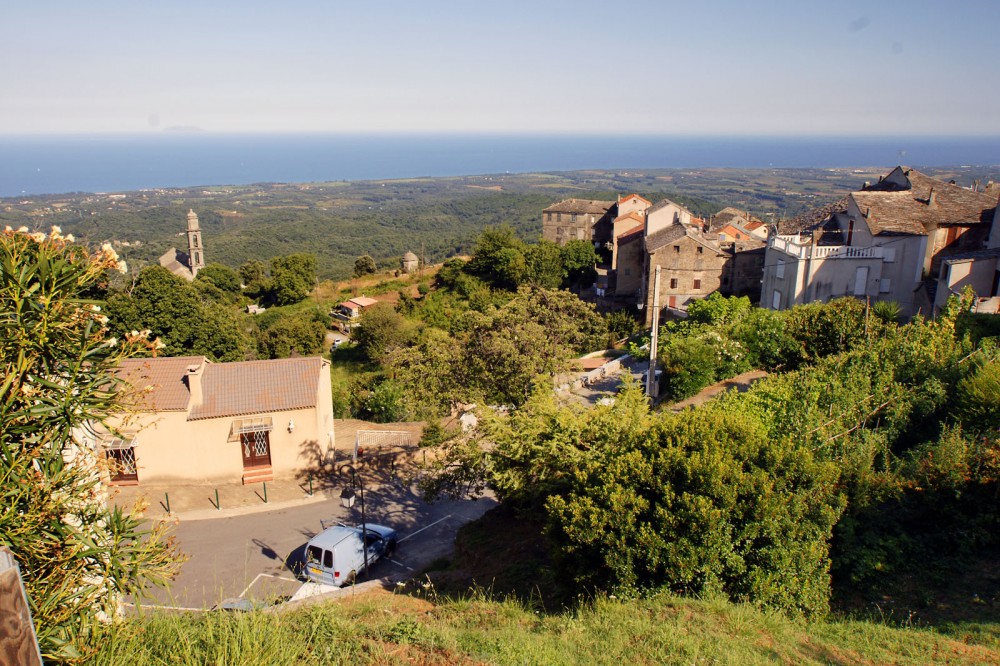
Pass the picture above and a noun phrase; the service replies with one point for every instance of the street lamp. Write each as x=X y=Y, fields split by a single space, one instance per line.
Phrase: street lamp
x=347 y=498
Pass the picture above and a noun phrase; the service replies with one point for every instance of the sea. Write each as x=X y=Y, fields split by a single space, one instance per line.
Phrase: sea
x=32 y=165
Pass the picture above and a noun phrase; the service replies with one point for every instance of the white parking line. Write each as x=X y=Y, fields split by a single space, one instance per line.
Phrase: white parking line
x=403 y=565
x=254 y=581
x=424 y=528
x=177 y=608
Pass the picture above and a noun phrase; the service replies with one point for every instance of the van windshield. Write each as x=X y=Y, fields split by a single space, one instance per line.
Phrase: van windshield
x=314 y=554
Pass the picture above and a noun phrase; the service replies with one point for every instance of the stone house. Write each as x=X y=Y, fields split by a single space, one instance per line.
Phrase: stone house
x=579 y=219
x=888 y=241
x=194 y=420
x=691 y=264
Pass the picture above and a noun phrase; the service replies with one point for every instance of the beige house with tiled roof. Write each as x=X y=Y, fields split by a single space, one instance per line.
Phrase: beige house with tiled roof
x=888 y=241
x=195 y=420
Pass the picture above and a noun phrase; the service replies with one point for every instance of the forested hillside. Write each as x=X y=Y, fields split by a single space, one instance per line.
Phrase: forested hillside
x=435 y=217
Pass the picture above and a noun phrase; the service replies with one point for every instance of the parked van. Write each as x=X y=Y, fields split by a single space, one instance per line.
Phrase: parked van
x=335 y=556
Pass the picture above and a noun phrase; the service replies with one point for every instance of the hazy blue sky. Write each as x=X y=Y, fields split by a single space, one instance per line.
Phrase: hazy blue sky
x=631 y=66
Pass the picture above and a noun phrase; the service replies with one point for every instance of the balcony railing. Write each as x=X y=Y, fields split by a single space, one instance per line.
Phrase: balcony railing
x=796 y=247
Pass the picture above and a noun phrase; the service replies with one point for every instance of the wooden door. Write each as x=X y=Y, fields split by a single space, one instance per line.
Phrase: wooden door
x=256 y=449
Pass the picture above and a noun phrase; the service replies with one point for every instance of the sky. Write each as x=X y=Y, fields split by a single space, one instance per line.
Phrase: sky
x=710 y=67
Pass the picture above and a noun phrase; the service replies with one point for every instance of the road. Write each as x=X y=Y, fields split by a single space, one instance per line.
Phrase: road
x=255 y=555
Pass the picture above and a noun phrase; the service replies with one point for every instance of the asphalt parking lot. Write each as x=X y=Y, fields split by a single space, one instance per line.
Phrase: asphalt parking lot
x=256 y=556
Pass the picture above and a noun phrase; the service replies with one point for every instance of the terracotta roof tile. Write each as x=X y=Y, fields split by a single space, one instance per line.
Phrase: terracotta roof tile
x=638 y=217
x=160 y=381
x=632 y=234
x=254 y=387
x=228 y=389
x=634 y=196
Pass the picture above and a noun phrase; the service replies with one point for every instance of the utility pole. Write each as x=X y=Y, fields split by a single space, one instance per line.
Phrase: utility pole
x=651 y=384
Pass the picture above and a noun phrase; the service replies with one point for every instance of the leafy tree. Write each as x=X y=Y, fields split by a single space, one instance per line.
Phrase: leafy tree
x=364 y=265
x=170 y=308
x=499 y=258
x=281 y=334
x=978 y=397
x=253 y=273
x=163 y=303
x=80 y=557
x=385 y=403
x=432 y=372
x=544 y=267
x=381 y=330
x=621 y=324
x=703 y=501
x=292 y=278
x=716 y=310
x=223 y=277
x=579 y=259
x=535 y=333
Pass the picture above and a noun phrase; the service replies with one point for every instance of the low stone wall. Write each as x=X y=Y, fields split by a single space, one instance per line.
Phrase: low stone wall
x=609 y=369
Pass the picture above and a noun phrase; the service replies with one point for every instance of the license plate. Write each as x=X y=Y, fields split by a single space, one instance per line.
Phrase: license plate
x=315 y=570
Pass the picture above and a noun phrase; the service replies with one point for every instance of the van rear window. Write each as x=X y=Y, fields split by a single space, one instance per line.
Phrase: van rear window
x=314 y=554
x=328 y=559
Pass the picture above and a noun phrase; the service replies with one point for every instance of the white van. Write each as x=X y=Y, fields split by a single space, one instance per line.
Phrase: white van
x=335 y=555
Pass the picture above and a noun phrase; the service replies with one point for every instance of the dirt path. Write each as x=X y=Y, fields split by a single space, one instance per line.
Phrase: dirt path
x=740 y=382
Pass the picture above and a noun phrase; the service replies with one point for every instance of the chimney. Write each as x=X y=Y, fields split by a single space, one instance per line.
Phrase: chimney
x=932 y=198
x=194 y=373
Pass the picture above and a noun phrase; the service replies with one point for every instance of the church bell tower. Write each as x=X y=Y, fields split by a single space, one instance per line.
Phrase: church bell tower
x=196 y=251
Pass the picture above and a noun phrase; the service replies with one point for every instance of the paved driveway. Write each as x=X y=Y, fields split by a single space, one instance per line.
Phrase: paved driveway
x=256 y=556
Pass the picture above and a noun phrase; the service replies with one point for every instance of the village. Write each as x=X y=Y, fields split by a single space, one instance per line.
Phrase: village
x=255 y=462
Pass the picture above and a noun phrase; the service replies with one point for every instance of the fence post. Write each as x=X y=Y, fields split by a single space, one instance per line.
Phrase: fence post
x=310 y=485
x=167 y=497
x=18 y=643
x=265 y=492
x=218 y=507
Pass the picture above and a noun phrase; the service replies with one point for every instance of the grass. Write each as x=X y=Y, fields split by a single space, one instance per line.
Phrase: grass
x=383 y=628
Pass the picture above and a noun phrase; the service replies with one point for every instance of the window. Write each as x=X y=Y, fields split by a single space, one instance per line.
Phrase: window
x=884 y=286
x=779 y=269
x=121 y=460
x=697 y=284
x=701 y=250
x=673 y=283
x=888 y=254
x=776 y=300
x=628 y=271
x=677 y=249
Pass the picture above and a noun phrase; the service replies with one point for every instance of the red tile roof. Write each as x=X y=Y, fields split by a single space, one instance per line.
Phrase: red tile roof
x=632 y=234
x=638 y=217
x=255 y=387
x=228 y=389
x=635 y=196
x=361 y=301
x=160 y=382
